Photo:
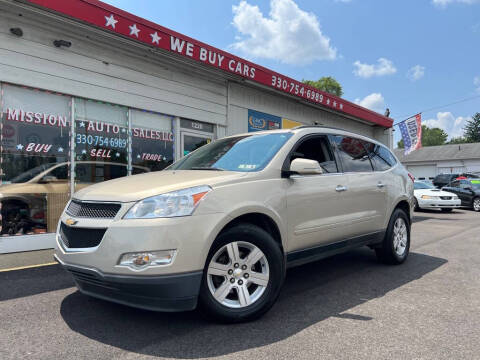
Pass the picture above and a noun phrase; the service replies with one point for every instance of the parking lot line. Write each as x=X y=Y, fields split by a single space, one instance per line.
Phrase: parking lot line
x=28 y=267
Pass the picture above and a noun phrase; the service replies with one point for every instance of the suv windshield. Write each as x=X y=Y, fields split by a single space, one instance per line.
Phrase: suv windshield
x=241 y=153
x=422 y=185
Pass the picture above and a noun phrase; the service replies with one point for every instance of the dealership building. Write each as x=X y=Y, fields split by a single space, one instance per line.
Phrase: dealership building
x=90 y=93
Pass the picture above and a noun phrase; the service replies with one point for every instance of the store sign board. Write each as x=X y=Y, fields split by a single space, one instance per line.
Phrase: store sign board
x=109 y=18
x=258 y=121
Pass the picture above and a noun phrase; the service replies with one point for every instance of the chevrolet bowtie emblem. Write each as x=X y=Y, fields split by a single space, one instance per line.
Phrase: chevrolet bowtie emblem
x=70 y=222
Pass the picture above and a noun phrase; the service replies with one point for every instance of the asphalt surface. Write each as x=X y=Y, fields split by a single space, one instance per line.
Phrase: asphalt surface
x=345 y=307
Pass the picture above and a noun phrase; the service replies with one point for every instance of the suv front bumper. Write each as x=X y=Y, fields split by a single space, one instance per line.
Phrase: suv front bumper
x=177 y=292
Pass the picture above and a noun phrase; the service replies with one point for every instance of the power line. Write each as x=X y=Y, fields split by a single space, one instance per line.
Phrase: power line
x=438 y=107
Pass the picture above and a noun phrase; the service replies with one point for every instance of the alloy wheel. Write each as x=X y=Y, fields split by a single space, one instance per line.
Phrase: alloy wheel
x=400 y=236
x=476 y=204
x=238 y=274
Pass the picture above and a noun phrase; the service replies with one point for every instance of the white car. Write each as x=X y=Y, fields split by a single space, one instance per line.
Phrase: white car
x=429 y=197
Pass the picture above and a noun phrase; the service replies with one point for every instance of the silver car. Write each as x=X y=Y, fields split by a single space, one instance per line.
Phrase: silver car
x=219 y=227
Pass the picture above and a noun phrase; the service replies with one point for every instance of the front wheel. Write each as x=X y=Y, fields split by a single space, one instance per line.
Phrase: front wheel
x=396 y=244
x=476 y=204
x=243 y=275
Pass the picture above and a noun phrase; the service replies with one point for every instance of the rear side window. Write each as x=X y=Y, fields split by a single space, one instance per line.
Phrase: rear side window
x=317 y=148
x=353 y=154
x=382 y=159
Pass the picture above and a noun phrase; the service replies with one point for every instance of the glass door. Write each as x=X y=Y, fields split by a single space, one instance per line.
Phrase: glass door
x=192 y=141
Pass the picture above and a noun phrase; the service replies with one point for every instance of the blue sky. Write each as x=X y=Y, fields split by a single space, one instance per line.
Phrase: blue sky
x=407 y=55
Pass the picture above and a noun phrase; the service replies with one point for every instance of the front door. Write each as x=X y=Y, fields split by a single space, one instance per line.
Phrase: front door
x=192 y=141
x=315 y=203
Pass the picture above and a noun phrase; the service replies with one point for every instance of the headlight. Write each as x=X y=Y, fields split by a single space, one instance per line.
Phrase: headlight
x=172 y=204
x=428 y=197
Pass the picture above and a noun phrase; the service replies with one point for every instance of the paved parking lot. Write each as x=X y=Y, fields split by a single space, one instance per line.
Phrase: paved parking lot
x=346 y=307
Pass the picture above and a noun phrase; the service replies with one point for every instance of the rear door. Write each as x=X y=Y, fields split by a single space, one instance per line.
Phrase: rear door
x=466 y=193
x=315 y=207
x=365 y=202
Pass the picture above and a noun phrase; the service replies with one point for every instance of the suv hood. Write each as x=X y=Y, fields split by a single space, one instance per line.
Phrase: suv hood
x=137 y=187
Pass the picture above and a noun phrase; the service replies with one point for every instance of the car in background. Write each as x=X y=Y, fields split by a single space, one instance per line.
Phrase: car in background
x=23 y=201
x=442 y=180
x=428 y=197
x=468 y=191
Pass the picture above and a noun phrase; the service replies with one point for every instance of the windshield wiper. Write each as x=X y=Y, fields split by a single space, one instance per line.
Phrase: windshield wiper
x=206 y=168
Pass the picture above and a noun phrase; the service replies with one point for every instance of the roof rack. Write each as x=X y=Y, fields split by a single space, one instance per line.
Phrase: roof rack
x=316 y=126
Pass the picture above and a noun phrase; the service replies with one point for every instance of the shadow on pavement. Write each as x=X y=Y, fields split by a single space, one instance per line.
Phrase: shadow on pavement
x=311 y=293
x=27 y=282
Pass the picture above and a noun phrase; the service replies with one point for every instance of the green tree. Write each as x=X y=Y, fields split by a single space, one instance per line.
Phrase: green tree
x=458 y=140
x=326 y=83
x=471 y=131
x=430 y=137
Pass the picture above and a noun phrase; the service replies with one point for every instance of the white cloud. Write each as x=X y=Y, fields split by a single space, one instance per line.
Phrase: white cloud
x=416 y=72
x=452 y=125
x=476 y=82
x=289 y=34
x=383 y=67
x=444 y=3
x=374 y=101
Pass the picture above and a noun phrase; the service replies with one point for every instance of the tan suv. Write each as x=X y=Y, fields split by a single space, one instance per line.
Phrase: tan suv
x=220 y=226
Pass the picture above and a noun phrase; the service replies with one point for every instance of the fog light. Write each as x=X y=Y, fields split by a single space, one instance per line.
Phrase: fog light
x=142 y=260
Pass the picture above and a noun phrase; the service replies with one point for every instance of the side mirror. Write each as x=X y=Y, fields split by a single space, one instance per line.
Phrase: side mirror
x=305 y=167
x=48 y=179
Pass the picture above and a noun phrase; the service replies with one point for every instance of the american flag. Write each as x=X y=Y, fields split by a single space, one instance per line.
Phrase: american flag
x=411 y=130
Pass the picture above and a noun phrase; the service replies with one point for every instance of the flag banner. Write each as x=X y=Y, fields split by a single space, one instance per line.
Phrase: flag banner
x=411 y=130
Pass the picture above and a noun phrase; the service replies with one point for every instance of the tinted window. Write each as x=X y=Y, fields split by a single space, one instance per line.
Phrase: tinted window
x=382 y=159
x=353 y=154
x=317 y=148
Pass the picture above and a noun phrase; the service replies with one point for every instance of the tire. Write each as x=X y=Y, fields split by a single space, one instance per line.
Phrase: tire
x=447 y=210
x=476 y=204
x=249 y=289
x=415 y=205
x=389 y=252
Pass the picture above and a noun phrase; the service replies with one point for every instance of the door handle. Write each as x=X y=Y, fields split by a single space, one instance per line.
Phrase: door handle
x=340 y=188
x=380 y=185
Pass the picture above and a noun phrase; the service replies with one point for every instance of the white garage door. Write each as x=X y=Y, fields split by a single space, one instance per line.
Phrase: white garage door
x=423 y=172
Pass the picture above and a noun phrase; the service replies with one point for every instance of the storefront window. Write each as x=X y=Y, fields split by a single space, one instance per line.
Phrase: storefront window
x=34 y=156
x=101 y=142
x=152 y=141
x=109 y=142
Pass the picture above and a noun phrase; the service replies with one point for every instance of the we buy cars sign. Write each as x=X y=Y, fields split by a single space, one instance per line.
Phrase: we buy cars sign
x=114 y=20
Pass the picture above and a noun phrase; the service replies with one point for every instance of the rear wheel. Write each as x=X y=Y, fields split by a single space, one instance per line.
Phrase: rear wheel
x=396 y=244
x=476 y=204
x=243 y=275
x=447 y=210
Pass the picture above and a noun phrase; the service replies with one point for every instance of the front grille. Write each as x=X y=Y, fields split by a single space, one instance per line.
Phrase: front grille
x=446 y=197
x=75 y=238
x=92 y=209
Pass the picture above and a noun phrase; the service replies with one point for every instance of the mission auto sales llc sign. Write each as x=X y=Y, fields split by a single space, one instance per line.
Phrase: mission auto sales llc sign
x=128 y=25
